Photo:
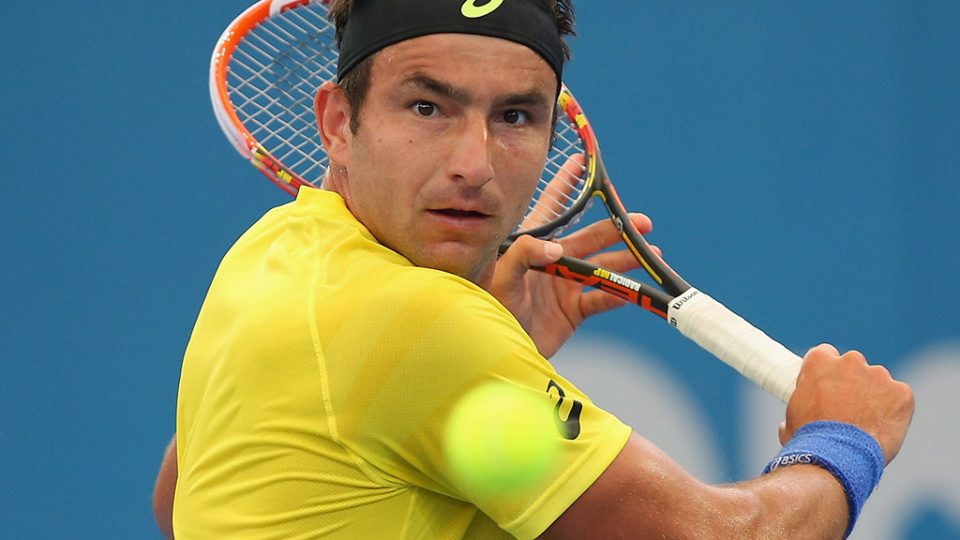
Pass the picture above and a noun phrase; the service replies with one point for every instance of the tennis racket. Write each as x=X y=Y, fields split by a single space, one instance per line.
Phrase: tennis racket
x=264 y=74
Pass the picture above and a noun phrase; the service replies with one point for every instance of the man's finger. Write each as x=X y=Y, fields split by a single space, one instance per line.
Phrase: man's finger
x=619 y=261
x=528 y=251
x=600 y=235
x=596 y=302
x=824 y=349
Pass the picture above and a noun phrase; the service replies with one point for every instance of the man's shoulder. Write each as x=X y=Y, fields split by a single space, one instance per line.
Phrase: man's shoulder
x=383 y=287
x=424 y=292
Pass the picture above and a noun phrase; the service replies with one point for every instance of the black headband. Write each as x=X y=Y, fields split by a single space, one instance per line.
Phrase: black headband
x=375 y=24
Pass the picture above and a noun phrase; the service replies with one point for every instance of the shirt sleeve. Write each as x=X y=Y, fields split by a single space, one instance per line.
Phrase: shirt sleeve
x=399 y=362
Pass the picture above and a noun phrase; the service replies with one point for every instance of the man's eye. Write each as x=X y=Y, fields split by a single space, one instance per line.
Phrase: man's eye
x=425 y=108
x=515 y=117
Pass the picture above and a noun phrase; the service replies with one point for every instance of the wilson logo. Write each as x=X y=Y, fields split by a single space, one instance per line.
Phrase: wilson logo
x=471 y=10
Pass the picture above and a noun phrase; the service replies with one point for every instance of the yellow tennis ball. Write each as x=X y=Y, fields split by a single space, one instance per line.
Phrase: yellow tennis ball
x=500 y=438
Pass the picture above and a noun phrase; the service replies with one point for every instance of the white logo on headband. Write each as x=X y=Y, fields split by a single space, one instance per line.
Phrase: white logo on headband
x=471 y=10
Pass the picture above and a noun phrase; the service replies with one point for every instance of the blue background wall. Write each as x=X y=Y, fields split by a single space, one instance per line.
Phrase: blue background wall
x=799 y=160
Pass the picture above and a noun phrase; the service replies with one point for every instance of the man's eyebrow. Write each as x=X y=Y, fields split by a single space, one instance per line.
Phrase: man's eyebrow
x=441 y=88
x=529 y=98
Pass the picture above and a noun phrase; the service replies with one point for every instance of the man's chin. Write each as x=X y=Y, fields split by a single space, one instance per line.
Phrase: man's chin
x=464 y=260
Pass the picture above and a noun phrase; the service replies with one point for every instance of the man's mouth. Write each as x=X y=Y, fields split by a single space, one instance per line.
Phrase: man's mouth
x=459 y=219
x=458 y=213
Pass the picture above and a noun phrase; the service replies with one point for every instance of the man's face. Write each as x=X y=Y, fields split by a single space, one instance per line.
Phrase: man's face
x=452 y=138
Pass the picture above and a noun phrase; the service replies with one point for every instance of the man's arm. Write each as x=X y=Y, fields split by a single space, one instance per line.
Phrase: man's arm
x=164 y=489
x=644 y=494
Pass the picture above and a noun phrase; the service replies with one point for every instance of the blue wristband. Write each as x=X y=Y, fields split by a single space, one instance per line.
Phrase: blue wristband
x=849 y=453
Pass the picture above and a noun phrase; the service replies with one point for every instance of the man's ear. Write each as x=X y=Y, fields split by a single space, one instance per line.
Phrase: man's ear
x=333 y=122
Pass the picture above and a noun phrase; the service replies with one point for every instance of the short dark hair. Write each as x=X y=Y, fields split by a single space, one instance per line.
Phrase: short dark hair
x=357 y=81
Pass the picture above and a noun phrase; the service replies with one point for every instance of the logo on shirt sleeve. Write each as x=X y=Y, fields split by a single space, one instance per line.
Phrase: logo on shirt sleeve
x=568 y=427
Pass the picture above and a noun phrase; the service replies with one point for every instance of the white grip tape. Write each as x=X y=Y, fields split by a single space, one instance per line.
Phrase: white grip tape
x=736 y=342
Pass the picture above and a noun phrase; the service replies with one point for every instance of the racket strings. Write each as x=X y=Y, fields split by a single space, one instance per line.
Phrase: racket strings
x=258 y=102
x=562 y=184
x=273 y=127
x=269 y=102
x=265 y=108
x=272 y=80
x=281 y=131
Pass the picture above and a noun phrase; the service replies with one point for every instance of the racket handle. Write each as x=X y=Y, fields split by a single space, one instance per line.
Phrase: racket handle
x=736 y=342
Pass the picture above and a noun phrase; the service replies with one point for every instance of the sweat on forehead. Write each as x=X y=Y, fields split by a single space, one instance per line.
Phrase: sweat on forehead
x=376 y=24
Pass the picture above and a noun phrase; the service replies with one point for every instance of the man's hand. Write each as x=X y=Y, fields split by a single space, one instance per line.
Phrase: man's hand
x=844 y=388
x=550 y=308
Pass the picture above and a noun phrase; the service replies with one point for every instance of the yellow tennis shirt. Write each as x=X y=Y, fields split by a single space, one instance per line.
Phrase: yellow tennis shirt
x=317 y=384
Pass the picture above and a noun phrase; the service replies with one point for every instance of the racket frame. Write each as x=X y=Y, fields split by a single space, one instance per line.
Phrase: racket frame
x=597 y=183
x=238 y=135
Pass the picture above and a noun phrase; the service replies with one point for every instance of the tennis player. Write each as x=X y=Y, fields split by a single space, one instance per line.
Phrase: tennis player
x=341 y=329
